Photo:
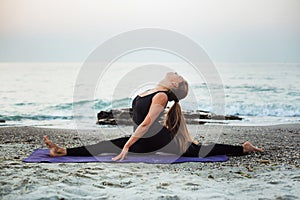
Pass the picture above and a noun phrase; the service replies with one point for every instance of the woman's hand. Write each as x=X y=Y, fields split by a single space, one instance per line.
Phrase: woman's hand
x=122 y=155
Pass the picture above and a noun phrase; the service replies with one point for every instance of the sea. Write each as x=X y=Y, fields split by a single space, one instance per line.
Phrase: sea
x=45 y=94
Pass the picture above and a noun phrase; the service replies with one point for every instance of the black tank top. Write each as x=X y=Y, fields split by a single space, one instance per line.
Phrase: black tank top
x=140 y=109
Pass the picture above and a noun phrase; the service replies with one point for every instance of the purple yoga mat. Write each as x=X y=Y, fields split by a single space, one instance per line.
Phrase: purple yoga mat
x=42 y=155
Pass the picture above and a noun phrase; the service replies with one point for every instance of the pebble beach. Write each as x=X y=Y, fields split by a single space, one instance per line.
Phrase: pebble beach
x=72 y=70
x=274 y=174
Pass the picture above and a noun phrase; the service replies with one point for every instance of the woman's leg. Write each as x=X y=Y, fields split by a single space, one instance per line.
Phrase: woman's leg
x=107 y=146
x=213 y=149
x=110 y=146
x=220 y=149
x=143 y=145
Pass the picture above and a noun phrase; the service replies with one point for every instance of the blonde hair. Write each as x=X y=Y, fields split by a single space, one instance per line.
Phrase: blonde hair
x=175 y=121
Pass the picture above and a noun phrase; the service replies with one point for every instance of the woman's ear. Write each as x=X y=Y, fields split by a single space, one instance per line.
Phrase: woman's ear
x=174 y=84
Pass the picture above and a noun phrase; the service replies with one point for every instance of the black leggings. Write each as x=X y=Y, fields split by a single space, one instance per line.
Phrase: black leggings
x=161 y=142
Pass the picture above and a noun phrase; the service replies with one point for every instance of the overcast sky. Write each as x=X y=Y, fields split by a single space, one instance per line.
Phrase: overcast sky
x=229 y=30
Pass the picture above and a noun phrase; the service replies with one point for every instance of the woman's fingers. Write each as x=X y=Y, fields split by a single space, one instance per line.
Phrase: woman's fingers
x=116 y=158
x=121 y=156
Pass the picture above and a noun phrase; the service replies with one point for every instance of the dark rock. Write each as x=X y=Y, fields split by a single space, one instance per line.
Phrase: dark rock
x=232 y=117
x=106 y=122
x=124 y=117
x=105 y=114
x=2 y=121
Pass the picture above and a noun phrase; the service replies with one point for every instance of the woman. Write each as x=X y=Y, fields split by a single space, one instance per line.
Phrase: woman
x=149 y=135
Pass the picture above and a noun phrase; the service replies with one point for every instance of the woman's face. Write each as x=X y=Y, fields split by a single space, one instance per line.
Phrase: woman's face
x=174 y=77
x=178 y=85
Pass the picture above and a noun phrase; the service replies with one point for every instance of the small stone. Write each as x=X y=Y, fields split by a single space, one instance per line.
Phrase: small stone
x=264 y=161
x=29 y=140
x=250 y=169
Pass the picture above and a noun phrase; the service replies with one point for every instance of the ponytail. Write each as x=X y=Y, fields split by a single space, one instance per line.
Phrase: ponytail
x=173 y=119
x=175 y=123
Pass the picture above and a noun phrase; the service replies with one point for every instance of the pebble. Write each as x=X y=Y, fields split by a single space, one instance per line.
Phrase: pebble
x=211 y=176
x=264 y=161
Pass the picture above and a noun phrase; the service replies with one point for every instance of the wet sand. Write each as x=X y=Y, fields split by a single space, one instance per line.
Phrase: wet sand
x=274 y=174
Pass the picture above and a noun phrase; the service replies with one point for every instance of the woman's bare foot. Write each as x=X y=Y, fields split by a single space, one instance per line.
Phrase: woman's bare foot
x=54 y=149
x=248 y=148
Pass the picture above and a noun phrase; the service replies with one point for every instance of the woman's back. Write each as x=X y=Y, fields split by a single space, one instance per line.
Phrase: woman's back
x=140 y=109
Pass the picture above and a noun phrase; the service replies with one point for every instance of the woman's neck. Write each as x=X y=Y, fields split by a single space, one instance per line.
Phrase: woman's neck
x=162 y=86
x=160 y=89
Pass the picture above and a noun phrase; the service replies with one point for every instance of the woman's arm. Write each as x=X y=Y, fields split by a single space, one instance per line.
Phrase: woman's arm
x=158 y=105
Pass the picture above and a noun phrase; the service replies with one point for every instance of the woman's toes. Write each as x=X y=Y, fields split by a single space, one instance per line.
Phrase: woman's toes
x=45 y=138
x=259 y=150
x=248 y=147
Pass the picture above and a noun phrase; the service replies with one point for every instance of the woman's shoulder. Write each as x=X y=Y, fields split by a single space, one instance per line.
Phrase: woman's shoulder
x=160 y=97
x=152 y=92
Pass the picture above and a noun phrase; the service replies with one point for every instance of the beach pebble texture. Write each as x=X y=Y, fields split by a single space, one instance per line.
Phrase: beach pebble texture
x=274 y=174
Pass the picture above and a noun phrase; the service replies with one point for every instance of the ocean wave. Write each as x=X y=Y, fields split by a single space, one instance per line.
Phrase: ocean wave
x=247 y=88
x=70 y=105
x=34 y=117
x=95 y=104
x=62 y=111
x=275 y=110
x=25 y=104
x=256 y=88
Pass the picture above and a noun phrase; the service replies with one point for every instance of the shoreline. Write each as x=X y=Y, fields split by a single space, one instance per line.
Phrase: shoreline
x=97 y=126
x=273 y=174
